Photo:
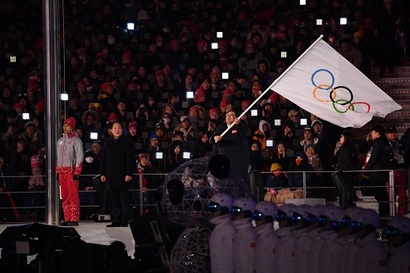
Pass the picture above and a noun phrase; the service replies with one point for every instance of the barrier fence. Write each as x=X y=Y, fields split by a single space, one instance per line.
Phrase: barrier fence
x=17 y=203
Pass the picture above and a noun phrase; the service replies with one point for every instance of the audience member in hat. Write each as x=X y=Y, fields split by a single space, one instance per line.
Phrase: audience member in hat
x=294 y=118
x=117 y=167
x=308 y=139
x=277 y=178
x=186 y=128
x=399 y=165
x=233 y=144
x=263 y=134
x=35 y=183
x=154 y=150
x=70 y=156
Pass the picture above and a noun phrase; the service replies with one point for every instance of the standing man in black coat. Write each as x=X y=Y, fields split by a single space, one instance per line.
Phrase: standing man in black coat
x=378 y=158
x=117 y=167
x=233 y=144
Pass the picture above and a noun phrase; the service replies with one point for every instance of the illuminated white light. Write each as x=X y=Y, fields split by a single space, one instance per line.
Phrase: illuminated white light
x=214 y=45
x=94 y=135
x=225 y=75
x=190 y=94
x=64 y=96
x=130 y=26
x=13 y=59
x=159 y=155
x=343 y=21
x=319 y=22
x=302 y=2
x=277 y=122
x=219 y=34
x=283 y=54
x=26 y=116
x=186 y=155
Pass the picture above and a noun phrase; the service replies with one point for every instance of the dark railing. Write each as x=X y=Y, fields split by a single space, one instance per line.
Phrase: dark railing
x=141 y=206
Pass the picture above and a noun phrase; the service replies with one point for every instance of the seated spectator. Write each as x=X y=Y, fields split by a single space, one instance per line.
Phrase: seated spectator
x=175 y=155
x=203 y=147
x=263 y=134
x=88 y=197
x=313 y=158
x=186 y=128
x=281 y=156
x=35 y=184
x=277 y=178
x=149 y=182
x=300 y=164
x=287 y=136
x=256 y=159
x=308 y=139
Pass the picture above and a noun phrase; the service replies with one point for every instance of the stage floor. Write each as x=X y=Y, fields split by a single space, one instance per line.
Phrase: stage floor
x=96 y=233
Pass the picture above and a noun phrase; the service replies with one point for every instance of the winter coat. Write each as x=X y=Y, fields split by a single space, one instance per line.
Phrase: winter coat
x=117 y=162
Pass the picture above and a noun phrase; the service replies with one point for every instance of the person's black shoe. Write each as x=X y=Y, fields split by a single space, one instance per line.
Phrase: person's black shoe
x=113 y=225
x=124 y=225
x=72 y=224
x=64 y=223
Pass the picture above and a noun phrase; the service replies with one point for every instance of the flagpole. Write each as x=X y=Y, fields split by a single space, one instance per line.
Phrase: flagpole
x=273 y=84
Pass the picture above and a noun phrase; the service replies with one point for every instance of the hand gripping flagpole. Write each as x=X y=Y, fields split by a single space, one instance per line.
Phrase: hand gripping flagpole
x=272 y=84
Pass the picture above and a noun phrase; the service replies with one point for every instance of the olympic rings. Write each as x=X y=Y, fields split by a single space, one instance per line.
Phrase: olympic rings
x=348 y=104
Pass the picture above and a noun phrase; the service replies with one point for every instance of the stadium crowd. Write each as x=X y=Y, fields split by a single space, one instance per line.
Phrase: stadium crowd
x=164 y=80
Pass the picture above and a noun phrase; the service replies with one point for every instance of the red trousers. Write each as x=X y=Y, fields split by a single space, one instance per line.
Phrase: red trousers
x=70 y=197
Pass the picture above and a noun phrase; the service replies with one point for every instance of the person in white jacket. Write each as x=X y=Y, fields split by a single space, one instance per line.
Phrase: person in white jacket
x=244 y=242
x=303 y=243
x=264 y=216
x=370 y=254
x=283 y=259
x=221 y=240
x=398 y=237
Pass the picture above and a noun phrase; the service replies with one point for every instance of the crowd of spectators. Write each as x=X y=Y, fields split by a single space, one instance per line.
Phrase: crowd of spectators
x=163 y=80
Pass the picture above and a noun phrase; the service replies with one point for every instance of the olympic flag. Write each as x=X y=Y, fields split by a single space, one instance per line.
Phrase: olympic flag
x=324 y=83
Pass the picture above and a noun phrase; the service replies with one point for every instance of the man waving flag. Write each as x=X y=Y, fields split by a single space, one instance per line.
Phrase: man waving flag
x=324 y=83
